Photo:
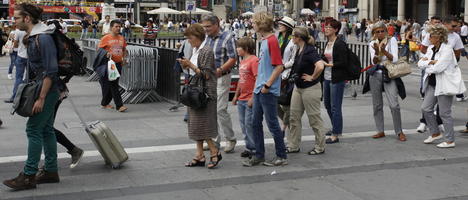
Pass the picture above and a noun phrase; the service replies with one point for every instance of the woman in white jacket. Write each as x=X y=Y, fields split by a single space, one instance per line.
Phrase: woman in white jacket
x=442 y=81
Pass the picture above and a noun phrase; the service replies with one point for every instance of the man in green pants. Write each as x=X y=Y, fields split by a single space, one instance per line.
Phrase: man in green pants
x=42 y=65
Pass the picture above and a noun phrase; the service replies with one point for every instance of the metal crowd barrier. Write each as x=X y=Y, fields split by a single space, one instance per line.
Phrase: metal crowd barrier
x=89 y=52
x=170 y=43
x=139 y=79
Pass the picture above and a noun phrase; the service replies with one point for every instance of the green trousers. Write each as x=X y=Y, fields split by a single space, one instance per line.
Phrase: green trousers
x=40 y=132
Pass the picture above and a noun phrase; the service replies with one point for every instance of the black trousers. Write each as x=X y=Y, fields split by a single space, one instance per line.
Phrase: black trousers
x=110 y=90
x=61 y=138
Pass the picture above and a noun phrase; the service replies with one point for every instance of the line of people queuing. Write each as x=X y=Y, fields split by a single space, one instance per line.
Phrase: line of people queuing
x=289 y=57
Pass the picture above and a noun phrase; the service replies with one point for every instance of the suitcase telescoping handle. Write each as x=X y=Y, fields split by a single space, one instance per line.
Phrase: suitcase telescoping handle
x=85 y=125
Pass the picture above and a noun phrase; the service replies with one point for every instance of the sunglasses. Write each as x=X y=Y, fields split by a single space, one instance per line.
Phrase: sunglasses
x=382 y=31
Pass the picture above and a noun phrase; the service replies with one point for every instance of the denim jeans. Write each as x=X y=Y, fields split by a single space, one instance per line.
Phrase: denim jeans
x=20 y=64
x=245 y=119
x=84 y=34
x=333 y=99
x=13 y=56
x=266 y=104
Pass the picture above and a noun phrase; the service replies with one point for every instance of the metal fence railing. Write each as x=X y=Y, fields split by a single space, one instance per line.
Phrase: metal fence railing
x=170 y=43
x=149 y=75
x=89 y=54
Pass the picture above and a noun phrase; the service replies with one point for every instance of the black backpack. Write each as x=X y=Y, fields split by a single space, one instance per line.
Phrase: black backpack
x=69 y=54
x=354 y=66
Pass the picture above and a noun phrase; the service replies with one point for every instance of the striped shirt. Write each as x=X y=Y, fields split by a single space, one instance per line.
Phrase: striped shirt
x=224 y=47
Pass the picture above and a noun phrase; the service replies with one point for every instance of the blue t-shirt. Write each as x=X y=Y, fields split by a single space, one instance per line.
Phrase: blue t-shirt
x=270 y=57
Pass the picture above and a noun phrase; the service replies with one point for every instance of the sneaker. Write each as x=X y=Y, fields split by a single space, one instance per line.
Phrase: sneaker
x=21 y=182
x=276 y=162
x=230 y=145
x=10 y=76
x=460 y=99
x=76 y=155
x=47 y=177
x=246 y=154
x=431 y=139
x=446 y=145
x=252 y=162
x=421 y=128
x=441 y=128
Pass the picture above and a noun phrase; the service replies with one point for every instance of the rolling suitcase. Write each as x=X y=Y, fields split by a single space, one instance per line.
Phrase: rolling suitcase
x=105 y=141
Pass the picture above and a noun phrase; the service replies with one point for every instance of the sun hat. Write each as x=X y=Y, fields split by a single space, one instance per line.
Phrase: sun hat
x=288 y=22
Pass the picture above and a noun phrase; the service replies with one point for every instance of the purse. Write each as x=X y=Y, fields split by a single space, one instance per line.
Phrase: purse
x=195 y=95
x=399 y=69
x=26 y=95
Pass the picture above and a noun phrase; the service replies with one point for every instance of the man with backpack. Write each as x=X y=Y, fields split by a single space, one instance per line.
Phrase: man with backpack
x=42 y=66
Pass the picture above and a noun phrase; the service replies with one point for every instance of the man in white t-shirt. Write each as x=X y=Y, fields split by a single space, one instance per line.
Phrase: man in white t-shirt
x=20 y=62
x=464 y=33
x=453 y=39
x=425 y=35
x=170 y=25
x=106 y=25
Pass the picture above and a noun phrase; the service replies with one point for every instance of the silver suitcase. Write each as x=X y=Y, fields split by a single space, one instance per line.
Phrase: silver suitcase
x=107 y=144
x=105 y=141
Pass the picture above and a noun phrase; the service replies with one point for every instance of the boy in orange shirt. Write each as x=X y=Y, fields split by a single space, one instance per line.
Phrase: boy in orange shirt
x=244 y=94
x=115 y=45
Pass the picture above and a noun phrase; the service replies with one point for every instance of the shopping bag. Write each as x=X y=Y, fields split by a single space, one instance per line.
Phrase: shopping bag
x=112 y=72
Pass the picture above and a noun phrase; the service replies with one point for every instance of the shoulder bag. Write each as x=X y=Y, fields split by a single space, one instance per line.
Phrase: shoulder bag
x=195 y=95
x=399 y=69
x=26 y=95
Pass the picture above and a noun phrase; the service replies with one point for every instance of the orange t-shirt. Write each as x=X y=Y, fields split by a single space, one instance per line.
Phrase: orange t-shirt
x=115 y=46
x=391 y=30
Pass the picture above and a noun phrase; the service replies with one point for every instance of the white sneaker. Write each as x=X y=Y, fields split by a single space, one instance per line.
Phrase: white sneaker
x=421 y=128
x=462 y=99
x=441 y=128
x=431 y=139
x=446 y=145
x=10 y=76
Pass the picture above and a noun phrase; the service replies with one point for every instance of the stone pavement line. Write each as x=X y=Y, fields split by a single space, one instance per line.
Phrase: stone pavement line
x=161 y=148
x=242 y=180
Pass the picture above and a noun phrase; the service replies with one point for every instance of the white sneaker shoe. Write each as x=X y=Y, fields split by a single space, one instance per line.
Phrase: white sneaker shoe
x=446 y=145
x=431 y=139
x=462 y=99
x=441 y=128
x=421 y=128
x=10 y=76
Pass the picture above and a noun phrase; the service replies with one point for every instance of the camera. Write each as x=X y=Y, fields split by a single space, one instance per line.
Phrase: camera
x=293 y=78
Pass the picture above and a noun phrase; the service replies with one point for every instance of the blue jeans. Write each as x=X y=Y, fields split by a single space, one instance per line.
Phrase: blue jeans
x=20 y=64
x=12 y=61
x=267 y=104
x=333 y=99
x=245 y=119
x=84 y=34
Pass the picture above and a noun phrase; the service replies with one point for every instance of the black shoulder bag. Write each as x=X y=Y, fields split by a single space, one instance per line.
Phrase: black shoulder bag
x=26 y=95
x=195 y=95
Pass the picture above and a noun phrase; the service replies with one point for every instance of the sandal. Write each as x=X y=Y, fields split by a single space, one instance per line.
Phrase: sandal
x=196 y=162
x=315 y=152
x=212 y=164
x=288 y=150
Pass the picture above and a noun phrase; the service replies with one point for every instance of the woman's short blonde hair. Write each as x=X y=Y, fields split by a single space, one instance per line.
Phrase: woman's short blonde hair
x=263 y=21
x=378 y=25
x=439 y=30
x=195 y=30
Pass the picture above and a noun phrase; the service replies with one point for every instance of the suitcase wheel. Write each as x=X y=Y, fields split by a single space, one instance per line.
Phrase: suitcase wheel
x=116 y=166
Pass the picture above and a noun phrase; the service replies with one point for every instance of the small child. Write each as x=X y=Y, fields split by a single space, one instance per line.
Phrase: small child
x=244 y=93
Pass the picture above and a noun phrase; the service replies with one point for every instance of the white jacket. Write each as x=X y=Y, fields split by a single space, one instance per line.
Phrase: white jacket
x=448 y=74
x=288 y=58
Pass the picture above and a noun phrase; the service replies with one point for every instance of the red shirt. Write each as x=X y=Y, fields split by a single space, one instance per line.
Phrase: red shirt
x=248 y=70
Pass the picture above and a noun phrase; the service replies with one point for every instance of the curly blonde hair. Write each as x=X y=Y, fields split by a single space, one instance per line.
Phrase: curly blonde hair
x=439 y=30
x=264 y=21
